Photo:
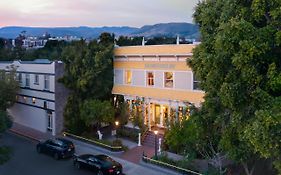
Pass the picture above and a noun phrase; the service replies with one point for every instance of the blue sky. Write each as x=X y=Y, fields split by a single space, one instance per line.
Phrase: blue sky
x=136 y=13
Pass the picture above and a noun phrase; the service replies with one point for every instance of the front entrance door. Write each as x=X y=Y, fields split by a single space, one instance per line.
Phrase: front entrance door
x=49 y=121
x=157 y=115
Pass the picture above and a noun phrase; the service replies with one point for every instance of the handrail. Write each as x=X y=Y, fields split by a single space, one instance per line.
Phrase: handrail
x=157 y=162
x=118 y=148
x=144 y=135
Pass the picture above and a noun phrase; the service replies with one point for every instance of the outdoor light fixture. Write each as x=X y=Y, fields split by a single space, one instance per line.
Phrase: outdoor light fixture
x=156 y=132
x=116 y=126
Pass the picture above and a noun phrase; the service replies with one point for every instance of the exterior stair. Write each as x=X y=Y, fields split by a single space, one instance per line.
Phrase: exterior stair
x=149 y=139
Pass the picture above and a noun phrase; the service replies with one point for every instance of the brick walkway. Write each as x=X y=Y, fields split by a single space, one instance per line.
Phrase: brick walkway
x=135 y=154
x=29 y=132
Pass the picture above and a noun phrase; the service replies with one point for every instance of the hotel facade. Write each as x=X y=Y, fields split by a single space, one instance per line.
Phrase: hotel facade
x=41 y=99
x=158 y=80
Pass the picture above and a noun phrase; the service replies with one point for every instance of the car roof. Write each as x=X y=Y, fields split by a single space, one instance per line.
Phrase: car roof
x=64 y=140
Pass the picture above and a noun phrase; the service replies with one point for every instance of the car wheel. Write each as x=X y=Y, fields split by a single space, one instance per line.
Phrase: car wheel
x=39 y=149
x=100 y=172
x=77 y=165
x=56 y=156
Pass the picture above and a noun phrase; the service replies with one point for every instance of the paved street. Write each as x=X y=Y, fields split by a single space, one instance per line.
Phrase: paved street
x=26 y=161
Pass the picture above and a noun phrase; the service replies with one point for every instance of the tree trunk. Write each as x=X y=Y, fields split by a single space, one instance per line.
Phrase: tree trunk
x=246 y=168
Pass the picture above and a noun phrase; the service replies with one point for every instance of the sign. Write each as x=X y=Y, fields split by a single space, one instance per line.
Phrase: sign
x=161 y=66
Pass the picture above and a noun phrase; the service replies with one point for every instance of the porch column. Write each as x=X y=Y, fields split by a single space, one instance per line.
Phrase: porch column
x=169 y=114
x=144 y=112
x=149 y=117
x=177 y=111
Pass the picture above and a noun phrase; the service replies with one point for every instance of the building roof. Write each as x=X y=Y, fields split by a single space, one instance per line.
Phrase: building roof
x=180 y=49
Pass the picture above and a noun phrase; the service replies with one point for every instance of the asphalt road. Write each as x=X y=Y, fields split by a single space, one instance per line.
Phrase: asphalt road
x=26 y=161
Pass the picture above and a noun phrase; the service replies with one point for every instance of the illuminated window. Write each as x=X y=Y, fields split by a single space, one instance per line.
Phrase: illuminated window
x=168 y=79
x=150 y=79
x=33 y=100
x=128 y=77
x=25 y=99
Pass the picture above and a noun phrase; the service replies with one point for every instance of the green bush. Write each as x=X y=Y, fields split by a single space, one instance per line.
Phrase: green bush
x=179 y=163
x=128 y=133
x=113 y=143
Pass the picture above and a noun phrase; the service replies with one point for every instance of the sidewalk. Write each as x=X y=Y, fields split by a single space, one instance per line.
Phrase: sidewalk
x=134 y=154
x=29 y=132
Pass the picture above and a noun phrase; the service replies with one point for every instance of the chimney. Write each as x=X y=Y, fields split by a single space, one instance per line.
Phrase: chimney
x=178 y=39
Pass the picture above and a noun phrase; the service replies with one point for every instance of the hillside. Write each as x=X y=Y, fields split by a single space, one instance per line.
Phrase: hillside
x=163 y=29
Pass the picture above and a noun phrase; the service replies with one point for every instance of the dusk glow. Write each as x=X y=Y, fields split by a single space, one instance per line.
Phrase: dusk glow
x=94 y=12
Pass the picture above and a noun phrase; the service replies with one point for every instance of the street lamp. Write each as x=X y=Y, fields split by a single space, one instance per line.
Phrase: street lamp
x=116 y=126
x=156 y=132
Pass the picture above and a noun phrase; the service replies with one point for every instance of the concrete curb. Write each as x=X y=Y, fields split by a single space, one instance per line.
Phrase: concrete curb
x=93 y=146
x=160 y=169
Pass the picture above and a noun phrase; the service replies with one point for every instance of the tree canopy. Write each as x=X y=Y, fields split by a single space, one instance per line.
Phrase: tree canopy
x=8 y=89
x=89 y=76
x=238 y=64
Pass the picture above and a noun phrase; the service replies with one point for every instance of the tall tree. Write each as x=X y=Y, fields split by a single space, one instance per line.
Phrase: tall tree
x=88 y=74
x=8 y=89
x=238 y=63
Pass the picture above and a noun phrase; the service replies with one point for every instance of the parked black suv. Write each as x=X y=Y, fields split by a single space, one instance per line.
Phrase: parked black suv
x=101 y=164
x=58 y=148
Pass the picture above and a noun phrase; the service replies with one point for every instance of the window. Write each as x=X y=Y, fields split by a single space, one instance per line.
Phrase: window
x=45 y=105
x=25 y=99
x=20 y=77
x=128 y=77
x=150 y=79
x=33 y=100
x=168 y=78
x=196 y=83
x=27 y=80
x=36 y=79
x=50 y=121
x=46 y=82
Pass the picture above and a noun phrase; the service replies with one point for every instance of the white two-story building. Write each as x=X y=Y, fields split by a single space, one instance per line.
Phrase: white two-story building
x=41 y=99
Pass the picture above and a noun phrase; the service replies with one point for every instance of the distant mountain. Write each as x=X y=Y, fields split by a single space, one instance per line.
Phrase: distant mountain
x=169 y=29
x=163 y=29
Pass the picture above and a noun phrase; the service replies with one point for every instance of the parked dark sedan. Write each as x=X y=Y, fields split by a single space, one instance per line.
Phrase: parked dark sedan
x=58 y=148
x=101 y=164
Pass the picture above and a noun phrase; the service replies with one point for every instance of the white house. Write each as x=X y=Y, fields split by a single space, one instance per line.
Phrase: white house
x=41 y=98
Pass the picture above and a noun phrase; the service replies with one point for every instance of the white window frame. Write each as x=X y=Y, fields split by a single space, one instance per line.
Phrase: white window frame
x=27 y=80
x=49 y=121
x=36 y=79
x=46 y=82
x=168 y=79
x=147 y=79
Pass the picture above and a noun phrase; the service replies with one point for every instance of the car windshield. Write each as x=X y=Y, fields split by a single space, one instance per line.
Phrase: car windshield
x=105 y=158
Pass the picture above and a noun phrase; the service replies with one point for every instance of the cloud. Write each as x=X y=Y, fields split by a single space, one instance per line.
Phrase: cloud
x=94 y=12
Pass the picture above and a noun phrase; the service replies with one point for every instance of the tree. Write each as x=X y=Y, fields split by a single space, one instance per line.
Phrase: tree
x=89 y=76
x=95 y=112
x=8 y=89
x=238 y=63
